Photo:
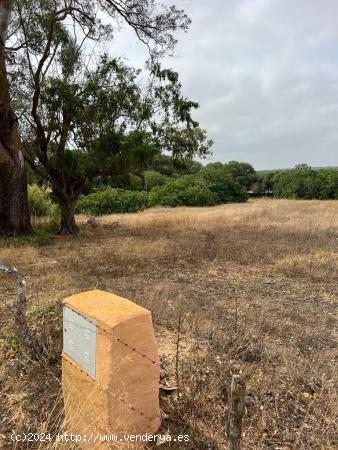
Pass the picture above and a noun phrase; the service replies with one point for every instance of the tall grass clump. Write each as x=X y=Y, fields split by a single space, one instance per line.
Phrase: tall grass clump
x=39 y=200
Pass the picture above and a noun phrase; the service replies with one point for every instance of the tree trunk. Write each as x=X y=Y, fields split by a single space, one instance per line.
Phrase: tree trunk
x=68 y=224
x=14 y=212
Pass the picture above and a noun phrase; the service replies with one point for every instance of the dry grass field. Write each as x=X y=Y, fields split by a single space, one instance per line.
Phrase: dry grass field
x=250 y=287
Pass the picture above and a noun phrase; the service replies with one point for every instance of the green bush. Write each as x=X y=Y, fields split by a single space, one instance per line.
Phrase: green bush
x=111 y=201
x=223 y=185
x=153 y=179
x=165 y=196
x=241 y=172
x=302 y=182
x=198 y=194
x=188 y=190
x=298 y=183
x=211 y=186
x=39 y=200
x=135 y=183
x=327 y=184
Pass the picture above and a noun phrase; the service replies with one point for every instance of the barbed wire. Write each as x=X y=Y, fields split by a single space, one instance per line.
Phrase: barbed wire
x=98 y=386
x=108 y=333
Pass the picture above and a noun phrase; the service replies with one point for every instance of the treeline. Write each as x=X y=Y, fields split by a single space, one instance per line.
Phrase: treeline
x=301 y=182
x=183 y=184
x=189 y=183
x=165 y=182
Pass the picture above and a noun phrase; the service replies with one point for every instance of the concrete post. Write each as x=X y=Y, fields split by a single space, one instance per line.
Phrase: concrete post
x=110 y=369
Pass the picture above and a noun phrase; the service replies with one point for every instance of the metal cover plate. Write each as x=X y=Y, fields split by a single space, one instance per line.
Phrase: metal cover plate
x=79 y=340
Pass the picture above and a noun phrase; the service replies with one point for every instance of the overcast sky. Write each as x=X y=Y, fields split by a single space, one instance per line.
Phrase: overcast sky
x=265 y=73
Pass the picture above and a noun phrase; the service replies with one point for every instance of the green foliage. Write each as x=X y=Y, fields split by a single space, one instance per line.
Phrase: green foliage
x=55 y=218
x=222 y=184
x=11 y=342
x=115 y=125
x=32 y=177
x=242 y=172
x=153 y=179
x=111 y=201
x=211 y=186
x=109 y=126
x=214 y=165
x=327 y=180
x=267 y=181
x=174 y=167
x=303 y=182
x=39 y=200
x=163 y=164
x=49 y=312
x=186 y=166
x=135 y=182
x=188 y=190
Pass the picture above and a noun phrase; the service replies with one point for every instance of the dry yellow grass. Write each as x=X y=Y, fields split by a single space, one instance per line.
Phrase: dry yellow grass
x=256 y=287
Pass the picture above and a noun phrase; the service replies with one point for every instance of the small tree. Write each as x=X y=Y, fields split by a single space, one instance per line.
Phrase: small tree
x=113 y=127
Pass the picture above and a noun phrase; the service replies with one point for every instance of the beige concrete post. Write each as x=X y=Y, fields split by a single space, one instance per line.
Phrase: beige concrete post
x=110 y=370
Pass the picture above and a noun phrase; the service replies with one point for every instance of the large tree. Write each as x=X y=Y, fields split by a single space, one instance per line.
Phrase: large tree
x=14 y=214
x=82 y=116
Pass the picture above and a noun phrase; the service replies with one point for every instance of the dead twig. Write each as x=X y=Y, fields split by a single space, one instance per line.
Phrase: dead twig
x=178 y=342
x=236 y=396
x=23 y=333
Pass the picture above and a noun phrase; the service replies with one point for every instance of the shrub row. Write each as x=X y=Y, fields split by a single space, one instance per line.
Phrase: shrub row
x=111 y=201
x=205 y=189
x=183 y=191
x=208 y=188
x=302 y=182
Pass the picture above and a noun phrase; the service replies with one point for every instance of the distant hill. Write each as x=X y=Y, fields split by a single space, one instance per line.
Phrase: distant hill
x=262 y=172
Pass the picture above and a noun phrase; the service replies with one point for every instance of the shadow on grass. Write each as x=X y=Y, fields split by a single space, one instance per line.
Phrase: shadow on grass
x=42 y=235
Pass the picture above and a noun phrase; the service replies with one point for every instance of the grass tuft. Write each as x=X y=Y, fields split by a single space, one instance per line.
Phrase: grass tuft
x=40 y=237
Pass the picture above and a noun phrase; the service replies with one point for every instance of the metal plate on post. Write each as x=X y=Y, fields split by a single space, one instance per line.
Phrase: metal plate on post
x=79 y=340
